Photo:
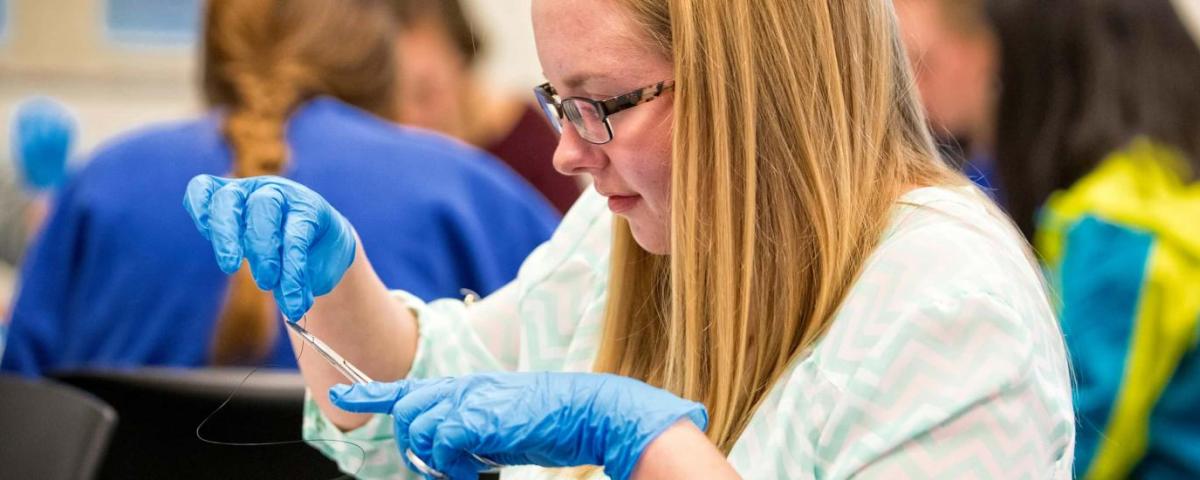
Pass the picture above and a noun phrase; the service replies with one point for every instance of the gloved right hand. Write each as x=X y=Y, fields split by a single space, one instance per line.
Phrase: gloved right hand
x=551 y=419
x=42 y=133
x=297 y=245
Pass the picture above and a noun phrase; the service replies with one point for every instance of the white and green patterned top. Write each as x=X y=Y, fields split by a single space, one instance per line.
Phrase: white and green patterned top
x=944 y=361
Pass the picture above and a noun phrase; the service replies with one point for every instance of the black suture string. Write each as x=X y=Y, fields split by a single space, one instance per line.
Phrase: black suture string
x=362 y=452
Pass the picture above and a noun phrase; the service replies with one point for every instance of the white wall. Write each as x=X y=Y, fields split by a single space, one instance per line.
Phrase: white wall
x=59 y=48
x=512 y=61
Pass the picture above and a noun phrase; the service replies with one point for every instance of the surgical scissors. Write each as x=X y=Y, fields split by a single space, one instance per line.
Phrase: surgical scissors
x=346 y=368
x=357 y=376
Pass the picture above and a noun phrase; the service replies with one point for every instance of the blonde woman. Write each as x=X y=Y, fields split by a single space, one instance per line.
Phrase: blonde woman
x=775 y=276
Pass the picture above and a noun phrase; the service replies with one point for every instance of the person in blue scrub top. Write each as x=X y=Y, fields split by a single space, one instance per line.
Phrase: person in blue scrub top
x=304 y=89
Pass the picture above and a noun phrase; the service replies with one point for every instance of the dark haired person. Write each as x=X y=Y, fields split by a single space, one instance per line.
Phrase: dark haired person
x=303 y=89
x=1099 y=147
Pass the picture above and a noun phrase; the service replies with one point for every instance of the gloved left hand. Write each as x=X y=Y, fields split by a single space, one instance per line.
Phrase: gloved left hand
x=296 y=243
x=546 y=419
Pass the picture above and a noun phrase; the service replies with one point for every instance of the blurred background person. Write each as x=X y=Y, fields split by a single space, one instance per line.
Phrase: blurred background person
x=441 y=91
x=42 y=133
x=1098 y=145
x=953 y=54
x=306 y=89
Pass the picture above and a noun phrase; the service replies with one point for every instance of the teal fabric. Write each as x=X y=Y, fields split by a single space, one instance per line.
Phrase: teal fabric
x=1175 y=427
x=1100 y=280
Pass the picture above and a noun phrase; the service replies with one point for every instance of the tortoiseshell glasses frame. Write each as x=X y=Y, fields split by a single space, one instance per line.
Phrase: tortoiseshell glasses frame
x=591 y=117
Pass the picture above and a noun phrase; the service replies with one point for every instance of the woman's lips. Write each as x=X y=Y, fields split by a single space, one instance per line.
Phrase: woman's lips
x=622 y=203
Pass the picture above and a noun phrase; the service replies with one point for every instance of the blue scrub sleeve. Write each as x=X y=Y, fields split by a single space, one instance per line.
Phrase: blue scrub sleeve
x=40 y=310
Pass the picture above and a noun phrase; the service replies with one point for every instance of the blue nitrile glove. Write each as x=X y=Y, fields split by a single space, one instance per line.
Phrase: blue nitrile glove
x=546 y=419
x=297 y=245
x=42 y=133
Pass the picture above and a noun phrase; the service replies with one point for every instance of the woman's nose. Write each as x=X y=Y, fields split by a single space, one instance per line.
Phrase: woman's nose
x=574 y=155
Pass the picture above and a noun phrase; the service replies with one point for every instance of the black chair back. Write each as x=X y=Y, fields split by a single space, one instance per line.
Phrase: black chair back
x=51 y=431
x=160 y=409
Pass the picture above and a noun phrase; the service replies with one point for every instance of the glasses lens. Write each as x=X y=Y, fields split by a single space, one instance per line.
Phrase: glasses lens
x=587 y=120
x=549 y=109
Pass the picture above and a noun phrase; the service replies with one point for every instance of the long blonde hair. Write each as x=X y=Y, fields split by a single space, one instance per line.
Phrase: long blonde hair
x=262 y=59
x=796 y=129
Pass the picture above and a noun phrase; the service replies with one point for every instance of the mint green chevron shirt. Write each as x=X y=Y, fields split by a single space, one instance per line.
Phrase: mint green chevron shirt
x=944 y=360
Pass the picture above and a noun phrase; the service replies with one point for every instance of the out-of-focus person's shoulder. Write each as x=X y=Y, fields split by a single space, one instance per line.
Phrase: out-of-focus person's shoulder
x=157 y=146
x=175 y=136
x=145 y=163
x=331 y=123
x=368 y=144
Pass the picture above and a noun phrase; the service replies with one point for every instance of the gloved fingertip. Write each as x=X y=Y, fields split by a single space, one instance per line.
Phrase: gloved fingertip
x=292 y=307
x=699 y=416
x=281 y=302
x=229 y=263
x=293 y=316
x=262 y=284
x=374 y=397
x=336 y=392
x=266 y=276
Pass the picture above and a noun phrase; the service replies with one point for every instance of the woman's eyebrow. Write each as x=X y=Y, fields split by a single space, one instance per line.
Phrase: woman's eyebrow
x=580 y=80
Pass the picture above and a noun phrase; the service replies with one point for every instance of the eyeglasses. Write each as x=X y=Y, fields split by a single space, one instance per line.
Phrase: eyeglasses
x=590 y=117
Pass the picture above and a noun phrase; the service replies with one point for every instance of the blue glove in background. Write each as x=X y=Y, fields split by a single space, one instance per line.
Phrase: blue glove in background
x=297 y=245
x=546 y=419
x=42 y=133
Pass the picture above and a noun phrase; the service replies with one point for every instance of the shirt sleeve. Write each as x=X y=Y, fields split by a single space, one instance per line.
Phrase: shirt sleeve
x=367 y=452
x=39 y=313
x=957 y=387
x=451 y=343
x=452 y=335
x=458 y=339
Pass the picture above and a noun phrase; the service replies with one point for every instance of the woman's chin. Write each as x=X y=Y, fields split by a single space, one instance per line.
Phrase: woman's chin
x=654 y=242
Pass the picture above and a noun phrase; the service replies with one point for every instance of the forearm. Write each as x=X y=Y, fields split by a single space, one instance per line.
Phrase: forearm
x=361 y=321
x=682 y=451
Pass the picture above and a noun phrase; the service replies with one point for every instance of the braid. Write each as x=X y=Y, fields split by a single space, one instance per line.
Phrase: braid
x=256 y=126
x=256 y=130
x=261 y=59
